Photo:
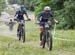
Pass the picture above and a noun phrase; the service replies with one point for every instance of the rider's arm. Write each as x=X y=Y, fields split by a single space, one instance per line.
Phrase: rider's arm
x=26 y=14
x=39 y=17
x=54 y=20
x=15 y=16
x=52 y=17
x=16 y=13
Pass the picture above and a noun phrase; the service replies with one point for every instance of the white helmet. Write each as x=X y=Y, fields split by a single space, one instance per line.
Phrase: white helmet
x=47 y=8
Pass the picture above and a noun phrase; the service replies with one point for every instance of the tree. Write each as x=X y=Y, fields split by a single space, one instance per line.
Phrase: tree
x=2 y=5
x=15 y=1
x=41 y=6
x=69 y=14
x=64 y=11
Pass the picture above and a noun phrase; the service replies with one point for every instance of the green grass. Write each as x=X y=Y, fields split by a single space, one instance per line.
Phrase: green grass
x=69 y=34
x=9 y=46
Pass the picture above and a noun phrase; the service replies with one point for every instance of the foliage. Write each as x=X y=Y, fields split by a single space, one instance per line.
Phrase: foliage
x=15 y=1
x=2 y=5
x=69 y=14
x=63 y=10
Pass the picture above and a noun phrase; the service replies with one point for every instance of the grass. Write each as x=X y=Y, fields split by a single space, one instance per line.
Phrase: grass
x=9 y=46
x=69 y=34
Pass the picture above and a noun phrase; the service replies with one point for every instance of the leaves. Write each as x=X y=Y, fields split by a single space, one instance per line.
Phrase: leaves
x=2 y=5
x=62 y=9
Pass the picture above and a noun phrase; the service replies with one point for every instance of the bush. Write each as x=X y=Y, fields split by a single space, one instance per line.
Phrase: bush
x=2 y=5
x=64 y=11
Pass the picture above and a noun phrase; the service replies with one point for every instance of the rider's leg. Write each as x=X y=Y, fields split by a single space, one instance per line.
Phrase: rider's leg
x=41 y=36
x=41 y=33
x=18 y=30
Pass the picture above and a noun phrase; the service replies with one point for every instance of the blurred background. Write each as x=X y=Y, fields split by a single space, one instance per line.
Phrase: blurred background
x=63 y=10
x=63 y=41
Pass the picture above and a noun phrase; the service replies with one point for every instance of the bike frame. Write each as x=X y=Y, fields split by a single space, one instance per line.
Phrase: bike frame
x=21 y=31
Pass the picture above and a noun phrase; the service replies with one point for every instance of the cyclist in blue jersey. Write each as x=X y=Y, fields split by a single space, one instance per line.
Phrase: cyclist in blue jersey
x=20 y=15
x=43 y=17
x=21 y=12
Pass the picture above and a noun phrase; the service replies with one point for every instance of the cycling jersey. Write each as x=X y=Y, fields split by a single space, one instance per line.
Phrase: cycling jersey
x=20 y=14
x=45 y=16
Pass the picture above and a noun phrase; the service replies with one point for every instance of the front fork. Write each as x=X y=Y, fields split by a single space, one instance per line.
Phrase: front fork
x=44 y=32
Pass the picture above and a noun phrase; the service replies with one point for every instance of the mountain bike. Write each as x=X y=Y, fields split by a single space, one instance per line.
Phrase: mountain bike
x=21 y=31
x=47 y=37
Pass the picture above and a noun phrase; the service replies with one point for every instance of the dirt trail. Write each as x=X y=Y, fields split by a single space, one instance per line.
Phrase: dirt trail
x=4 y=31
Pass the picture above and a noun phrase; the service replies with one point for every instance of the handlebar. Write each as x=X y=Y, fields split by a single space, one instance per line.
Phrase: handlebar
x=24 y=20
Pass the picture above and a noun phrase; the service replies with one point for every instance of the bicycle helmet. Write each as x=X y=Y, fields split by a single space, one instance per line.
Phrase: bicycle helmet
x=47 y=8
x=23 y=7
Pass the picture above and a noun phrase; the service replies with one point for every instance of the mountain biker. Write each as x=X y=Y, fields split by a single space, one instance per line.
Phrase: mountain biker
x=20 y=15
x=21 y=12
x=43 y=17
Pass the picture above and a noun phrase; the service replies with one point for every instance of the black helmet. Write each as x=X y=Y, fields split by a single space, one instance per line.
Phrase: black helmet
x=22 y=7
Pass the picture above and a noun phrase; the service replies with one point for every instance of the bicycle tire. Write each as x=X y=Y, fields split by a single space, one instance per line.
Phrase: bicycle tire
x=23 y=37
x=43 y=40
x=19 y=36
x=23 y=34
x=49 y=34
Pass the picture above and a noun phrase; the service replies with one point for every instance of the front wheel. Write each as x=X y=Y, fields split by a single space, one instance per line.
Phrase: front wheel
x=43 y=40
x=49 y=41
x=23 y=37
x=23 y=34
